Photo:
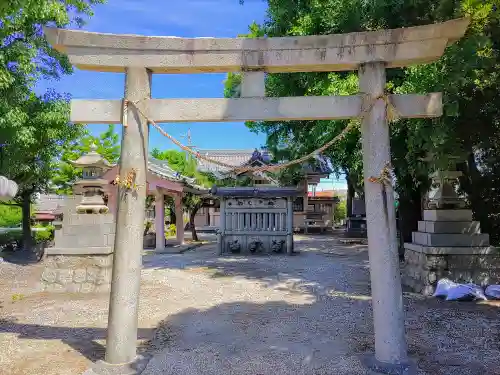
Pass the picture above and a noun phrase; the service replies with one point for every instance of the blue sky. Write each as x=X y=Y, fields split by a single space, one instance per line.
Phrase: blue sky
x=187 y=18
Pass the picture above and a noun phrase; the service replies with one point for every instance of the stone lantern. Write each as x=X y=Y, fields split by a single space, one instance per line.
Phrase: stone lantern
x=443 y=190
x=92 y=186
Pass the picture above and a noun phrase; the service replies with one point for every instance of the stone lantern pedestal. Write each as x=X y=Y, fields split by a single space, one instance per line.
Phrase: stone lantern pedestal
x=448 y=243
x=82 y=258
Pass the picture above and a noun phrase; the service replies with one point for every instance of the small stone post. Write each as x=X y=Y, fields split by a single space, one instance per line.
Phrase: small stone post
x=387 y=297
x=160 y=220
x=222 y=226
x=289 y=225
x=124 y=300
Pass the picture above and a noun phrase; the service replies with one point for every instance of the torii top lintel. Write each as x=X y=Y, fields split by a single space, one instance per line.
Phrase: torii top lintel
x=396 y=47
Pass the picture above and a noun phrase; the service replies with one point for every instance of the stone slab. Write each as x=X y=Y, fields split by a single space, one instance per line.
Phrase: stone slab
x=470 y=227
x=376 y=367
x=87 y=219
x=79 y=251
x=253 y=108
x=450 y=239
x=178 y=249
x=83 y=240
x=397 y=47
x=446 y=250
x=133 y=368
x=447 y=215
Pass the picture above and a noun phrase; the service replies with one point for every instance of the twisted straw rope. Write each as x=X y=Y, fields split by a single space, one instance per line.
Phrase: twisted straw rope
x=391 y=114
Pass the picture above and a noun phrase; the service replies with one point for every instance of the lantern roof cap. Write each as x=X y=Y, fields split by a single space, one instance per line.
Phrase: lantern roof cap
x=92 y=159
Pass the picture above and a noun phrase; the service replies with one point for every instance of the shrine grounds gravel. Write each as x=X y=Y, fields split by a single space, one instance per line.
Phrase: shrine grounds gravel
x=202 y=314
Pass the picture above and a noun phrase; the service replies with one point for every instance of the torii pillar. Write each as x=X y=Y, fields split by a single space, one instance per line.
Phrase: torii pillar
x=121 y=340
x=368 y=52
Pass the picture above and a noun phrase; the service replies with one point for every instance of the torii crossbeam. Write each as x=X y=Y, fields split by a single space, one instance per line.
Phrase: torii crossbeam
x=368 y=52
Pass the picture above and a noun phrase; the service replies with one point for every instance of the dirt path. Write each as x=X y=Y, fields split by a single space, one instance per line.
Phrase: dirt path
x=308 y=314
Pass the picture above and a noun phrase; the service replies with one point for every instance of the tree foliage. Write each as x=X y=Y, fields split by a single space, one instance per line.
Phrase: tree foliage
x=467 y=75
x=187 y=166
x=33 y=128
x=10 y=215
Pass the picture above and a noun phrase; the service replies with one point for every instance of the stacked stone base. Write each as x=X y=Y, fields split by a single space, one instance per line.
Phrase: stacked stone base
x=449 y=245
x=74 y=273
x=82 y=259
x=424 y=266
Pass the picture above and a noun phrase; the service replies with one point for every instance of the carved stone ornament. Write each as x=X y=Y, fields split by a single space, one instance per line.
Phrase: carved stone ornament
x=234 y=246
x=443 y=191
x=277 y=246
x=255 y=246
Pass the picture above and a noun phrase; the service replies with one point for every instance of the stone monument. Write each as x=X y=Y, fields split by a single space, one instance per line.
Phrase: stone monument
x=356 y=223
x=448 y=243
x=82 y=258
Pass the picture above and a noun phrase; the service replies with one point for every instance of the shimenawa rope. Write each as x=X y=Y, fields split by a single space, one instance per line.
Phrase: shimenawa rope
x=391 y=114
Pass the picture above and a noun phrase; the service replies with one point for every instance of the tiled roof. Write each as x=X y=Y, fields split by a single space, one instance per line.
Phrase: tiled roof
x=234 y=158
x=162 y=169
x=49 y=203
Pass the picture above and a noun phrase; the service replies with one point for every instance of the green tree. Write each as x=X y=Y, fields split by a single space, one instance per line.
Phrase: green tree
x=467 y=75
x=187 y=166
x=340 y=210
x=10 y=215
x=65 y=174
x=30 y=150
x=33 y=128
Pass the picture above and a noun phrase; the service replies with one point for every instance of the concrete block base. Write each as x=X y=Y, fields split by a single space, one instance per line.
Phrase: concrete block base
x=133 y=368
x=375 y=367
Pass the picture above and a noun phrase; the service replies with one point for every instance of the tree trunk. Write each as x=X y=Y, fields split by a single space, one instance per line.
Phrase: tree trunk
x=194 y=235
x=410 y=212
x=171 y=213
x=26 y=221
x=192 y=215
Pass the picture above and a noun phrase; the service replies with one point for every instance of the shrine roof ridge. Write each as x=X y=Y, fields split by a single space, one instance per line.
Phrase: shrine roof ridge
x=264 y=192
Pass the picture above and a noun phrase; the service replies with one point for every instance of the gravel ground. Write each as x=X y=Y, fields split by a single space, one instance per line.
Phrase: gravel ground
x=307 y=314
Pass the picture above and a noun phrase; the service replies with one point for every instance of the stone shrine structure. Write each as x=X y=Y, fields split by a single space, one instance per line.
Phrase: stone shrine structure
x=309 y=212
x=448 y=243
x=370 y=53
x=82 y=258
x=255 y=220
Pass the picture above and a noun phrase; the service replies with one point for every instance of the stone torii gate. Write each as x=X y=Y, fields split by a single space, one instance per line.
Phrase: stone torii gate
x=368 y=52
